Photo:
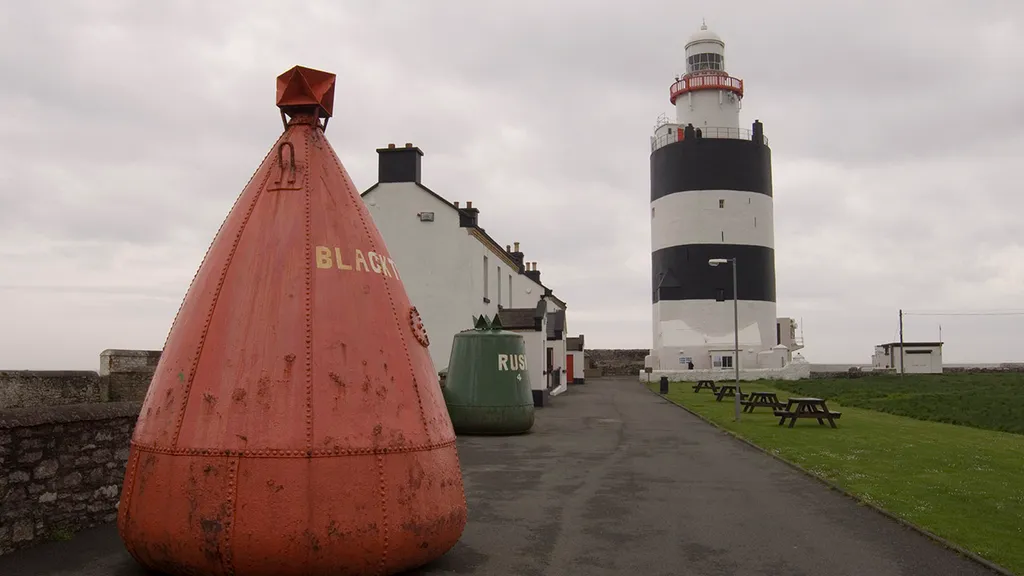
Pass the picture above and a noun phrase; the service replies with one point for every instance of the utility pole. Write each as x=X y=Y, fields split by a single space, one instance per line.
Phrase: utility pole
x=736 y=334
x=901 y=343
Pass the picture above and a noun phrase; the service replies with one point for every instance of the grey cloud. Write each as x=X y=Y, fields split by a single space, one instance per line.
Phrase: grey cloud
x=894 y=135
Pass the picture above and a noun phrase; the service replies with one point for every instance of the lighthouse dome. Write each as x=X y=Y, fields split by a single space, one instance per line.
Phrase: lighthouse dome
x=704 y=35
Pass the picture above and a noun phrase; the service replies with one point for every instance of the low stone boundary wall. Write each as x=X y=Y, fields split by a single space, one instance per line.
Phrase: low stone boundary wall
x=62 y=469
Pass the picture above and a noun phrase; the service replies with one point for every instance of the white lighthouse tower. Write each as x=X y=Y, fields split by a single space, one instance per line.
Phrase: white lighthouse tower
x=711 y=199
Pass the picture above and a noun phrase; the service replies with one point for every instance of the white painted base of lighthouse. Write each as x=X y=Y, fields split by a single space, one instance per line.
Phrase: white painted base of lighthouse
x=798 y=369
x=705 y=338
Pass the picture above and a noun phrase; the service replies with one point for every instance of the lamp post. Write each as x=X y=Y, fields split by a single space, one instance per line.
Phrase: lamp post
x=735 y=325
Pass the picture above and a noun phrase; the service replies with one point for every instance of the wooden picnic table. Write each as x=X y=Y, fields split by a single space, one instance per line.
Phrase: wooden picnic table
x=728 y=390
x=702 y=384
x=807 y=408
x=766 y=399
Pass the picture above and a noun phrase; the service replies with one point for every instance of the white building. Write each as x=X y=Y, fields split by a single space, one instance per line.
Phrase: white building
x=917 y=357
x=575 y=360
x=712 y=214
x=453 y=270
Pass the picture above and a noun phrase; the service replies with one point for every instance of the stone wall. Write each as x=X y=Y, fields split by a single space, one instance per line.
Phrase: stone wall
x=128 y=373
x=64 y=438
x=124 y=376
x=615 y=362
x=62 y=469
x=28 y=388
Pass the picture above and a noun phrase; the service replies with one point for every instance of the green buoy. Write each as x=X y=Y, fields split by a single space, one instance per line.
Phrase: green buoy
x=487 y=388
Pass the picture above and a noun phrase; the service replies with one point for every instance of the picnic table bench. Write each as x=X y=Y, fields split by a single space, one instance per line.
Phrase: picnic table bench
x=702 y=384
x=766 y=399
x=807 y=408
x=727 y=390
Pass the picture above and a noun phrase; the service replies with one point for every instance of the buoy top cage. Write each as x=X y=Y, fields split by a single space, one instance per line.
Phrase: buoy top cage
x=306 y=96
x=482 y=323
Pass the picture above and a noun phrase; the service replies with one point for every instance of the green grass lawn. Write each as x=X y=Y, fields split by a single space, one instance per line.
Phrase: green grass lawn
x=989 y=401
x=963 y=484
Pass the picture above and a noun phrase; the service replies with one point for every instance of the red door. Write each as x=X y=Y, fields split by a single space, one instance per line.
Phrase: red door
x=568 y=368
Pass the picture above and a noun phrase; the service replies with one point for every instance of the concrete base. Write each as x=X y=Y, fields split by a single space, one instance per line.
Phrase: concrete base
x=793 y=371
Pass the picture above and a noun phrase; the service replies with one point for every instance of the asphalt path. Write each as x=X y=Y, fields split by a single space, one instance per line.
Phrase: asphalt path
x=615 y=480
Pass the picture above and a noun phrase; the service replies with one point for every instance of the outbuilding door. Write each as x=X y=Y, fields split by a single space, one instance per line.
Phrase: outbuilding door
x=568 y=369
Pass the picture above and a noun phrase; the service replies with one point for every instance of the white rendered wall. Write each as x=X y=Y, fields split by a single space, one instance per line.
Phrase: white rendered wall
x=535 y=349
x=578 y=364
x=709 y=109
x=919 y=363
x=709 y=326
x=553 y=305
x=430 y=257
x=441 y=265
x=557 y=358
x=694 y=217
x=525 y=292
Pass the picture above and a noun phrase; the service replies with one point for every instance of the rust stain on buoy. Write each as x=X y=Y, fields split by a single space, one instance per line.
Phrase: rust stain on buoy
x=296 y=297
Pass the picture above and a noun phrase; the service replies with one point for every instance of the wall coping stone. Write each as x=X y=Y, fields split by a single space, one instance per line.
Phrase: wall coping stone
x=51 y=373
x=39 y=415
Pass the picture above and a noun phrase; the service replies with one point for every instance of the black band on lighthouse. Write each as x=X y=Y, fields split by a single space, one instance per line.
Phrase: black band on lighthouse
x=683 y=272
x=711 y=164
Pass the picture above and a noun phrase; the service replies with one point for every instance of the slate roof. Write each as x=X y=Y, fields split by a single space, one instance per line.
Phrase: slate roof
x=556 y=323
x=574 y=344
x=518 y=318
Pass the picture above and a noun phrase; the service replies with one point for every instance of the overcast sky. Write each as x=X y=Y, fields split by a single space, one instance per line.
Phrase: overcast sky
x=897 y=135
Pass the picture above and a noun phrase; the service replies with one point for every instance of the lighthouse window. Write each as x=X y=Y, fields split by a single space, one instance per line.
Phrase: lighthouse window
x=706 y=61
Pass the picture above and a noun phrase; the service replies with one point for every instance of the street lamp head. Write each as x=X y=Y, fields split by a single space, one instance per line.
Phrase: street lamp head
x=717 y=261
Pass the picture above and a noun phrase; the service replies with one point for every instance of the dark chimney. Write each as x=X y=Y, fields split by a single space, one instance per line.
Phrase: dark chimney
x=532 y=273
x=757 y=134
x=517 y=256
x=398 y=164
x=469 y=216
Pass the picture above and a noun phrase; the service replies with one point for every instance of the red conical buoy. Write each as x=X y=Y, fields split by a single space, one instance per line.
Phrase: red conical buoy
x=294 y=425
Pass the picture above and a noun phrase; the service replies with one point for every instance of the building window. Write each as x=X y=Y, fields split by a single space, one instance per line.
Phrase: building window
x=726 y=361
x=720 y=294
x=721 y=203
x=755 y=221
x=499 y=285
x=485 y=279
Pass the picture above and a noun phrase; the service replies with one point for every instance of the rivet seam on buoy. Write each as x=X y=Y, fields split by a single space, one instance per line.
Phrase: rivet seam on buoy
x=383 y=513
x=309 y=301
x=214 y=241
x=213 y=306
x=232 y=502
x=206 y=255
x=359 y=208
x=275 y=453
x=125 y=507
